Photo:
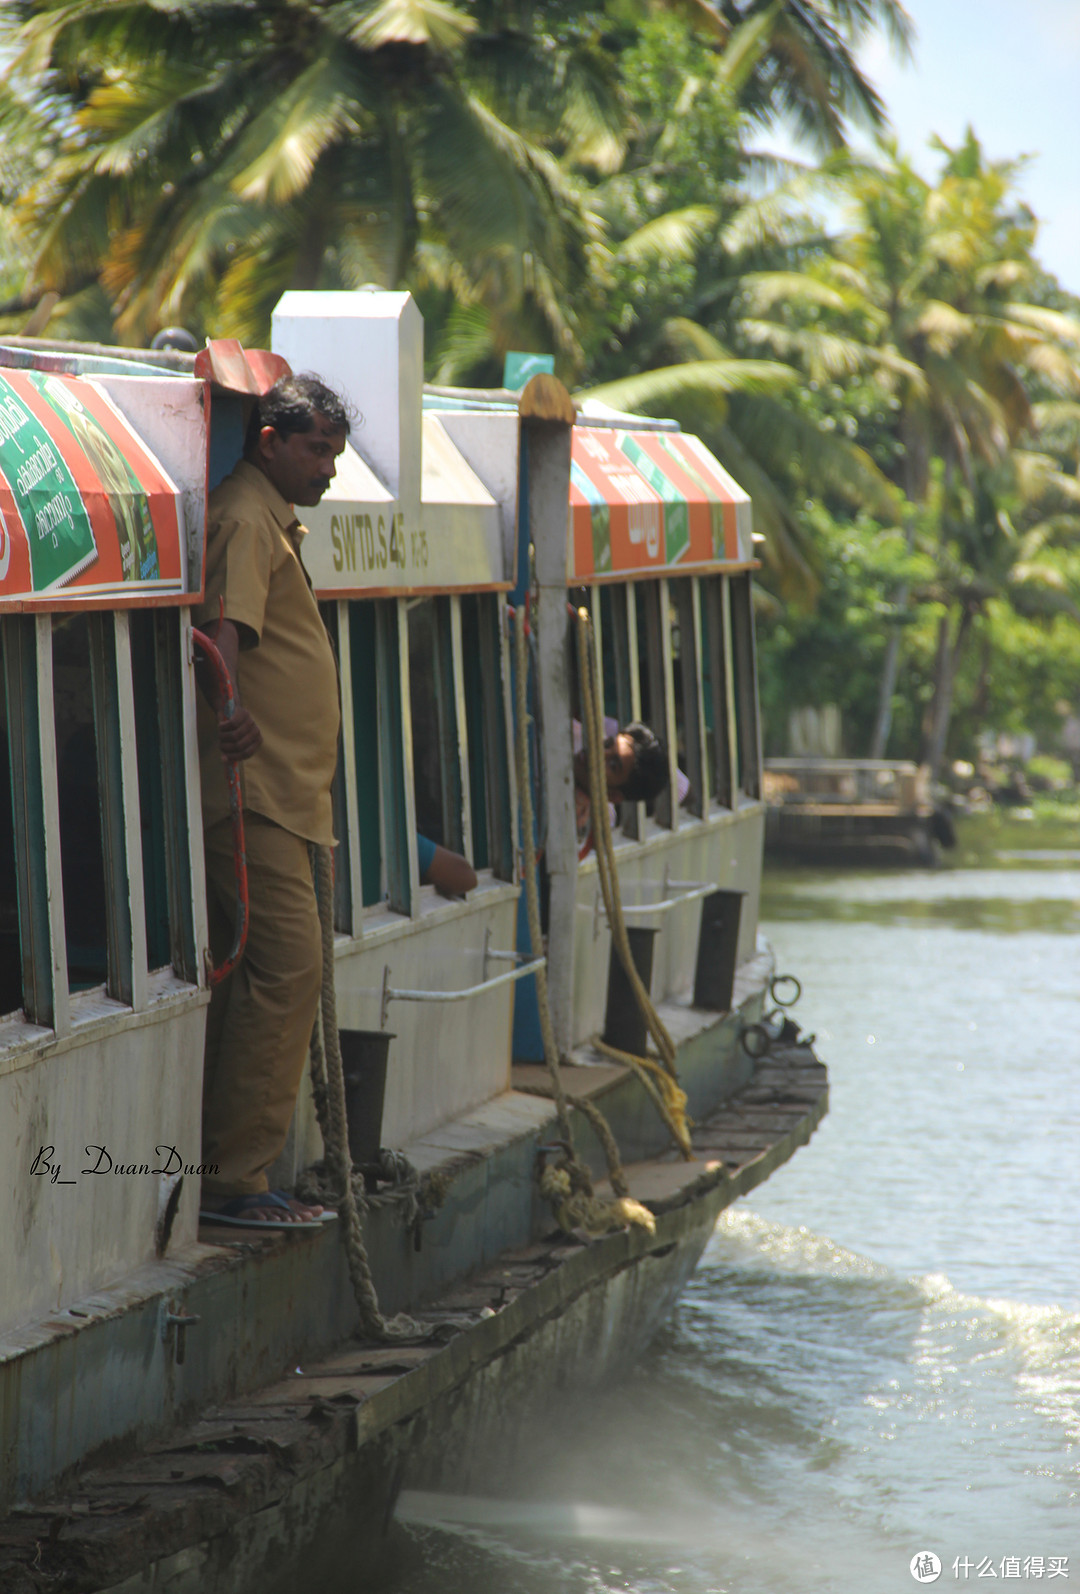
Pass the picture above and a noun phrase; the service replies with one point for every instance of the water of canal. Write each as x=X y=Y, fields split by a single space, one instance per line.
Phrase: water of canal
x=879 y=1356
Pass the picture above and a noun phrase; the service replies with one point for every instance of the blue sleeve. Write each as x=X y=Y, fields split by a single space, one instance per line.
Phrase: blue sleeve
x=425 y=852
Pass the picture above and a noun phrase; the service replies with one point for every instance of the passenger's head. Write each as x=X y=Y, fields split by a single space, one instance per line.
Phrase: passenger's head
x=648 y=775
x=295 y=434
x=635 y=765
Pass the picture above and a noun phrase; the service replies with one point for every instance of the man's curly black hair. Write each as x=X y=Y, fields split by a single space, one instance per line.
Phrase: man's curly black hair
x=292 y=404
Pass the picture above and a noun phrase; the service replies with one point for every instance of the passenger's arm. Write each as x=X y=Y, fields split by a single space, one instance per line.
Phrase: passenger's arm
x=450 y=873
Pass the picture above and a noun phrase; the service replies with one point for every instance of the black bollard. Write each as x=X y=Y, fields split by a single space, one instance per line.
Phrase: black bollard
x=624 y=1022
x=718 y=948
x=364 y=1054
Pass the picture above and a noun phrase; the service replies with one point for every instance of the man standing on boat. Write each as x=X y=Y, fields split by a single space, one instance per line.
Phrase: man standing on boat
x=285 y=735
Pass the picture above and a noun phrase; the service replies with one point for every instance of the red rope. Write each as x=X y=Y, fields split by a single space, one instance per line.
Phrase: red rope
x=226 y=710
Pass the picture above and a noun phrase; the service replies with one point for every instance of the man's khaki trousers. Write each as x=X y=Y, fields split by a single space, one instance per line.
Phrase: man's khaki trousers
x=260 y=1018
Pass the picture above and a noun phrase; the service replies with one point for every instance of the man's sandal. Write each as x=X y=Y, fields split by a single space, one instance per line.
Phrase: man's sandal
x=327 y=1215
x=232 y=1213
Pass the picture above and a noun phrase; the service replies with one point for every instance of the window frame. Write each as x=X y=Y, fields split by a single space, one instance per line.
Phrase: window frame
x=473 y=695
x=48 y=1002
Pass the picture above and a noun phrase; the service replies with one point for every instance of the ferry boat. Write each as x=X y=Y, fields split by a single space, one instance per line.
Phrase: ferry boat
x=194 y=1408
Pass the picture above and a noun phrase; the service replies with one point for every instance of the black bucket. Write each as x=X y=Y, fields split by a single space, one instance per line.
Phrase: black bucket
x=624 y=1022
x=718 y=949
x=364 y=1055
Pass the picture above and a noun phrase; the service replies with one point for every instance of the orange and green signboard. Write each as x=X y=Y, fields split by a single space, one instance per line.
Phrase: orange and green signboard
x=86 y=513
x=646 y=502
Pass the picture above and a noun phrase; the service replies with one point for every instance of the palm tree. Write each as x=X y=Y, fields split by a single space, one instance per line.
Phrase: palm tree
x=215 y=154
x=808 y=73
x=998 y=539
x=708 y=364
x=922 y=295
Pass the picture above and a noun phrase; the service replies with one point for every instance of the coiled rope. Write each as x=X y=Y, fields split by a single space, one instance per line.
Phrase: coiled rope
x=566 y=1184
x=660 y=1079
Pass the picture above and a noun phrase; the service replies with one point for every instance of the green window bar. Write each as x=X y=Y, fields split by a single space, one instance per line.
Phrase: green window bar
x=363 y=676
x=343 y=914
x=32 y=749
x=173 y=684
x=715 y=689
x=394 y=754
x=687 y=693
x=748 y=728
x=488 y=745
x=114 y=738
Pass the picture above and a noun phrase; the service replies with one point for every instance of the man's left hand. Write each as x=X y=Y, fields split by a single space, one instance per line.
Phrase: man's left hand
x=239 y=737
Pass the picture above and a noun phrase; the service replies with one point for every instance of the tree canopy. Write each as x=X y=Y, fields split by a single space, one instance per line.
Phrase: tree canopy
x=875 y=353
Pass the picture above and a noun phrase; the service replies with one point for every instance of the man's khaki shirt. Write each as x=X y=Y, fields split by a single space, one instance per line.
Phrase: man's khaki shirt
x=287 y=672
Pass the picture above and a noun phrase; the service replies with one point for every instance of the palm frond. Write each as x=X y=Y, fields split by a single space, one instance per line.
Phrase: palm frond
x=465 y=343
x=690 y=341
x=761 y=290
x=373 y=24
x=676 y=235
x=649 y=390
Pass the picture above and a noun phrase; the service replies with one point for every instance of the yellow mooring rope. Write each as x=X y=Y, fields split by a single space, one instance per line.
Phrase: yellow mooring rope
x=566 y=1184
x=660 y=1079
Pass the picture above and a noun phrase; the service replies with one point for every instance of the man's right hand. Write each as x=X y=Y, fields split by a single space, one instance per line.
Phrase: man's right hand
x=239 y=737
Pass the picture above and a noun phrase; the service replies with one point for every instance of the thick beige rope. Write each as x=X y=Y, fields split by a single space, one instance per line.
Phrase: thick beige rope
x=567 y=1186
x=667 y=1094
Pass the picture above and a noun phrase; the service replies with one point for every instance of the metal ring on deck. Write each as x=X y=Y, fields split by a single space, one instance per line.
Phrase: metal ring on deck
x=785 y=979
x=763 y=1041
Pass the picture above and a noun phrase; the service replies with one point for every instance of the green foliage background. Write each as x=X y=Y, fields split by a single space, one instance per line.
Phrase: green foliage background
x=878 y=357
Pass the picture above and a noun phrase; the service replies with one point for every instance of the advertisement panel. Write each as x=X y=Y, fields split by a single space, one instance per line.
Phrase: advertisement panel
x=86 y=512
x=645 y=502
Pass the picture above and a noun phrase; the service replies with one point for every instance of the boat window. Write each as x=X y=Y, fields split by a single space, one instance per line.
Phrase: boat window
x=745 y=670
x=485 y=721
x=714 y=689
x=654 y=709
x=389 y=626
x=615 y=648
x=365 y=715
x=151 y=715
x=614 y=617
x=435 y=748
x=684 y=654
x=342 y=872
x=10 y=955
x=82 y=862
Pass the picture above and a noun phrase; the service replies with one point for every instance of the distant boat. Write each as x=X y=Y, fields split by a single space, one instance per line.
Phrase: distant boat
x=853 y=810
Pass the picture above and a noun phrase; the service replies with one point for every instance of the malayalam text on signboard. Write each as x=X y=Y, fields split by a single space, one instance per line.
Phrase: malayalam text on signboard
x=85 y=510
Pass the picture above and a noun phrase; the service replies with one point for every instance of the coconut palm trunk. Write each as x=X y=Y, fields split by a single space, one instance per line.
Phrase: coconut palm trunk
x=946 y=665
